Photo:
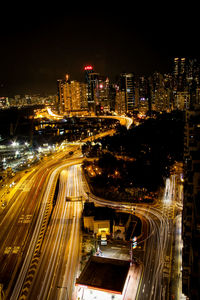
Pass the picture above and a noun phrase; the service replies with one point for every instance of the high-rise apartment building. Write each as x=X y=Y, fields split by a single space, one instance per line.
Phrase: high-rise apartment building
x=72 y=96
x=120 y=102
x=191 y=206
x=160 y=92
x=60 y=105
x=186 y=73
x=182 y=100
x=179 y=73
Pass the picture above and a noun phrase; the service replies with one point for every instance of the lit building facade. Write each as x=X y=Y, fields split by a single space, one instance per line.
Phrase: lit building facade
x=182 y=100
x=4 y=102
x=120 y=102
x=60 y=105
x=143 y=94
x=72 y=96
x=186 y=73
x=101 y=95
x=179 y=73
x=91 y=80
x=160 y=99
x=127 y=85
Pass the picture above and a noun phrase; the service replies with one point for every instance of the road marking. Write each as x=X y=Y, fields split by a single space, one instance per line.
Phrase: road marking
x=11 y=250
x=25 y=219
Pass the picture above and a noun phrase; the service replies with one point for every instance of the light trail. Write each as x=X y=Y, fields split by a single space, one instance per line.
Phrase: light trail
x=157 y=242
x=58 y=264
x=71 y=266
x=27 y=260
x=53 y=240
x=65 y=234
x=53 y=114
x=36 y=232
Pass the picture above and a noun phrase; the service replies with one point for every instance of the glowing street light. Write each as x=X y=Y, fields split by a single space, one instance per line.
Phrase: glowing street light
x=134 y=245
x=15 y=144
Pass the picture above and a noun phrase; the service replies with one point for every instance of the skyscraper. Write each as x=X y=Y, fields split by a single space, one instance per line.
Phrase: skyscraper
x=87 y=70
x=186 y=72
x=179 y=73
x=127 y=85
x=60 y=94
x=91 y=79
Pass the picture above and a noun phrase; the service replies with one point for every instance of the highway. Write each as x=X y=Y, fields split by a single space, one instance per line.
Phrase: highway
x=33 y=252
x=16 y=225
x=24 y=220
x=56 y=270
x=18 y=220
x=60 y=252
x=40 y=258
x=125 y=121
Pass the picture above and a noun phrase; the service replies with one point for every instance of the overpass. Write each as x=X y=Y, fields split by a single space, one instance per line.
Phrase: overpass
x=125 y=121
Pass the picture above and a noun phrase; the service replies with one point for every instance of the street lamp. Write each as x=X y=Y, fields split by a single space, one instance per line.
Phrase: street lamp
x=15 y=144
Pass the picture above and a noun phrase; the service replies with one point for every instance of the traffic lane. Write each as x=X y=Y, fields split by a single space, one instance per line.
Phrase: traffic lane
x=72 y=259
x=67 y=252
x=151 y=287
x=16 y=234
x=36 y=233
x=68 y=265
x=50 y=249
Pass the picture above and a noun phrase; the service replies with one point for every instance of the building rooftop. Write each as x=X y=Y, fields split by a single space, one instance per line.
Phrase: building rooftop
x=103 y=213
x=105 y=274
x=99 y=213
x=121 y=219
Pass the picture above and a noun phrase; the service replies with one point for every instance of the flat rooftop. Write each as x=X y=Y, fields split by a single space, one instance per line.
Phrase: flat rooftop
x=105 y=274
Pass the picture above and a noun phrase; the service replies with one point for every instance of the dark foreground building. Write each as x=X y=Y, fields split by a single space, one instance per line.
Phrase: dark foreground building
x=103 y=278
x=191 y=206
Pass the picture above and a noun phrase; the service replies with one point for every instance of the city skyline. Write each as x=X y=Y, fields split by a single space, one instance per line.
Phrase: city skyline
x=40 y=47
x=99 y=151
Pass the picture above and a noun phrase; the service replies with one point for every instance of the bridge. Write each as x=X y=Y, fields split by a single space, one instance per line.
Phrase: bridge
x=74 y=199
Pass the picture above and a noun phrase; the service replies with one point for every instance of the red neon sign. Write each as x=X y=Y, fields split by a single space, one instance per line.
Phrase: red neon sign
x=88 y=68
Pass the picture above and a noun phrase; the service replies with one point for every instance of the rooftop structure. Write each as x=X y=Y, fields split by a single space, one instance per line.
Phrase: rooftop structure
x=103 y=277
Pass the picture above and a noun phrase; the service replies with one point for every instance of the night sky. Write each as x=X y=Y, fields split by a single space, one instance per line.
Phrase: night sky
x=39 y=45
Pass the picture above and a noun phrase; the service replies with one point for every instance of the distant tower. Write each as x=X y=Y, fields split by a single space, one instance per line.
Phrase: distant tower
x=91 y=79
x=176 y=68
x=87 y=70
x=180 y=73
x=60 y=95
x=127 y=85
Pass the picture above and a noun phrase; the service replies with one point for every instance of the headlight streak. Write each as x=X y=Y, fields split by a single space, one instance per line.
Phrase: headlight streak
x=157 y=237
